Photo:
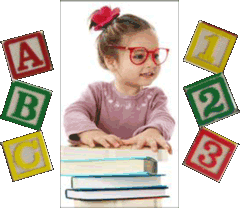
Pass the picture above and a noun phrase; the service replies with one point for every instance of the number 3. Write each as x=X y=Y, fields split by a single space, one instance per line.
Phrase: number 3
x=211 y=155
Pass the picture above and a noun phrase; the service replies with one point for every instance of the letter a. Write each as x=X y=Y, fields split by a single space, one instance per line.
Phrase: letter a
x=31 y=56
x=21 y=103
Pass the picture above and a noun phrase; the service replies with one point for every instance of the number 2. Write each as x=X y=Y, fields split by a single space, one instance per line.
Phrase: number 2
x=211 y=155
x=211 y=107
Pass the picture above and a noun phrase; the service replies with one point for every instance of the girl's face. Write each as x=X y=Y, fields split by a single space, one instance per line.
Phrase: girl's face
x=129 y=74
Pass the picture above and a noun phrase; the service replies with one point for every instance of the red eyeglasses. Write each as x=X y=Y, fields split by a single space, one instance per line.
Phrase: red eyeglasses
x=138 y=55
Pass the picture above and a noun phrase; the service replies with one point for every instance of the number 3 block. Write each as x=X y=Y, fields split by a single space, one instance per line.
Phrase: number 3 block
x=26 y=105
x=210 y=47
x=210 y=154
x=210 y=99
x=27 y=156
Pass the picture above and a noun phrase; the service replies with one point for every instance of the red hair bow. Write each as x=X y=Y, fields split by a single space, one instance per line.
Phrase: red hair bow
x=104 y=16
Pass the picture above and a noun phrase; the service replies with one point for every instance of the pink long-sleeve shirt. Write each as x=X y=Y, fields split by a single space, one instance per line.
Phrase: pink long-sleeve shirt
x=101 y=106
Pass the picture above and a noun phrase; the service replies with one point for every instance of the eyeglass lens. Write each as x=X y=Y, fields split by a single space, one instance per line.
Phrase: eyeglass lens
x=139 y=56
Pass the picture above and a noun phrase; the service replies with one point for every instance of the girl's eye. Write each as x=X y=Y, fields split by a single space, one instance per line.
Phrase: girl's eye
x=156 y=56
x=139 y=56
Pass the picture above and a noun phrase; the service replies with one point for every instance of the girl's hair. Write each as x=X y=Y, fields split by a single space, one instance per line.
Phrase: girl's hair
x=112 y=34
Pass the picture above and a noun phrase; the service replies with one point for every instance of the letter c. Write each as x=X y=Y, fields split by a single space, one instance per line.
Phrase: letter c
x=20 y=161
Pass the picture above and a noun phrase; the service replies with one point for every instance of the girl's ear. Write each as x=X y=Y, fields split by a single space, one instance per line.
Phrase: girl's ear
x=111 y=63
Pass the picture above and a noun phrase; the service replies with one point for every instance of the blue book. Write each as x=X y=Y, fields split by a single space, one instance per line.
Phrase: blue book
x=90 y=194
x=81 y=182
x=120 y=166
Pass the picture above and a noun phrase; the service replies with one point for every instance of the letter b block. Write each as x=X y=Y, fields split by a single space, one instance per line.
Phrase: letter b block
x=27 y=156
x=26 y=105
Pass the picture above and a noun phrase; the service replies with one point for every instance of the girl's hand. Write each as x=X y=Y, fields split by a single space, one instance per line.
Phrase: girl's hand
x=150 y=137
x=93 y=137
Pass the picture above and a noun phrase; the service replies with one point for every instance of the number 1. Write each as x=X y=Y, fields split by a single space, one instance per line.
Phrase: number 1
x=207 y=54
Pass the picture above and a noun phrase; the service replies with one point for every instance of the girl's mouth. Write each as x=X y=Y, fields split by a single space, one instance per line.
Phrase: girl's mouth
x=147 y=75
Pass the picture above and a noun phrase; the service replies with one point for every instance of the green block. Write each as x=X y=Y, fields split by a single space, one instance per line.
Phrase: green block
x=210 y=99
x=26 y=105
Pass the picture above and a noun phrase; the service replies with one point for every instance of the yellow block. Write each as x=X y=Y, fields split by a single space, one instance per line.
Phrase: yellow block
x=210 y=47
x=27 y=156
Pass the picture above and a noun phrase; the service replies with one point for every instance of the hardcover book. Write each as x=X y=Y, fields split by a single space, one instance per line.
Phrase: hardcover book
x=90 y=194
x=109 y=166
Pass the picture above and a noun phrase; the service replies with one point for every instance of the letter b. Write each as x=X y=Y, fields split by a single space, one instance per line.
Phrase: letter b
x=22 y=103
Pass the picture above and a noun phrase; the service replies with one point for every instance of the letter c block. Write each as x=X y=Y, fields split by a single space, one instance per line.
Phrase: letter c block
x=26 y=105
x=27 y=156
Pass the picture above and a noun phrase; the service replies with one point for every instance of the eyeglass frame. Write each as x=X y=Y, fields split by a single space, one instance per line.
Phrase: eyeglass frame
x=131 y=49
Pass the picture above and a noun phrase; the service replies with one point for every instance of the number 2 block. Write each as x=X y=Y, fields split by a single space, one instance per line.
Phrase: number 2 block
x=210 y=154
x=210 y=99
x=26 y=105
x=27 y=55
x=210 y=47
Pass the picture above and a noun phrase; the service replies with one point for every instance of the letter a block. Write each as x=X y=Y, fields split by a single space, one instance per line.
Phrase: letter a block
x=27 y=156
x=210 y=47
x=26 y=105
x=210 y=154
x=210 y=99
x=27 y=55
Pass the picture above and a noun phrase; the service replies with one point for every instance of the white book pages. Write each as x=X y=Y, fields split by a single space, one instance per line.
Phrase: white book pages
x=152 y=203
x=102 y=167
x=84 y=152
x=113 y=182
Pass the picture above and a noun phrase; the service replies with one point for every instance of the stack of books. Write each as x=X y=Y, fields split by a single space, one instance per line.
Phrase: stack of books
x=113 y=177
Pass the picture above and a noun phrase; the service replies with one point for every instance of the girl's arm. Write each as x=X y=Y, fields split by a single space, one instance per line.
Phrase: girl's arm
x=158 y=116
x=158 y=128
x=82 y=115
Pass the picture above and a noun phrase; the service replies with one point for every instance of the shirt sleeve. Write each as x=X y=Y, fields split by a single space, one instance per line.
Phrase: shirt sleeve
x=158 y=116
x=82 y=115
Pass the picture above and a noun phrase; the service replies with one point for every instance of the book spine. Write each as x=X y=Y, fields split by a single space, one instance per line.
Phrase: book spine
x=150 y=166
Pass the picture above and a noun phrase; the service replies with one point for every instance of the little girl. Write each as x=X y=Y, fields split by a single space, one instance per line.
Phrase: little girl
x=124 y=111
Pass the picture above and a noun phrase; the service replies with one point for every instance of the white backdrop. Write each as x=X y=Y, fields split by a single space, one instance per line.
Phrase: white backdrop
x=80 y=67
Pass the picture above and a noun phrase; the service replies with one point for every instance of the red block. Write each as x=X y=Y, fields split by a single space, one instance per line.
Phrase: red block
x=210 y=154
x=27 y=55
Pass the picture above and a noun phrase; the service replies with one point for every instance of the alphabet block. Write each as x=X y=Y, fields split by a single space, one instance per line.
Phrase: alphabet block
x=210 y=47
x=210 y=154
x=27 y=55
x=27 y=156
x=210 y=99
x=26 y=105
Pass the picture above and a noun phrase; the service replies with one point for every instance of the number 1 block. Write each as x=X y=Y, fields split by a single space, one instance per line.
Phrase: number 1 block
x=210 y=47
x=210 y=99
x=26 y=105
x=210 y=154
